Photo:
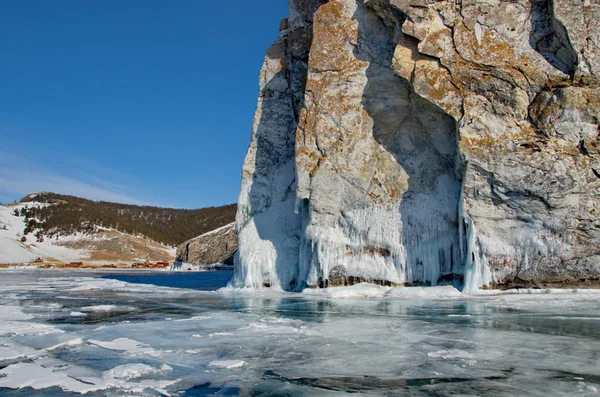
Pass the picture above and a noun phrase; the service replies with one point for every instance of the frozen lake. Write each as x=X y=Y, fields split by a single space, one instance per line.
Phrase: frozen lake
x=171 y=334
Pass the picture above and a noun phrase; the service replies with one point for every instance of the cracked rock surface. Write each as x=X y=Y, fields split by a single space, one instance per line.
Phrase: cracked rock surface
x=213 y=248
x=407 y=142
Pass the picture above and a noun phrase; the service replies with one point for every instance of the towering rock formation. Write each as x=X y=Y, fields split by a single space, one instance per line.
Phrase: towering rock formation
x=425 y=141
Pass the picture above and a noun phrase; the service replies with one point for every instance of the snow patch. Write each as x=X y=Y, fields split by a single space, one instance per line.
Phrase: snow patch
x=372 y=291
x=70 y=343
x=37 y=377
x=25 y=328
x=11 y=350
x=15 y=251
x=131 y=371
x=228 y=364
x=106 y=308
x=129 y=346
x=77 y=314
x=13 y=313
x=228 y=227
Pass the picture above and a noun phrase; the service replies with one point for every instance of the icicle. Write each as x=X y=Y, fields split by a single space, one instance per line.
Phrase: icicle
x=477 y=272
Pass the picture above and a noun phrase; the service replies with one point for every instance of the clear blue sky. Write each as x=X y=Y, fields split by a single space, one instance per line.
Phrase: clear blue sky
x=140 y=101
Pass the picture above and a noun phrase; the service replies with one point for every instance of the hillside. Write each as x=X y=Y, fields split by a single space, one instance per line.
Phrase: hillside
x=96 y=247
x=68 y=215
x=51 y=230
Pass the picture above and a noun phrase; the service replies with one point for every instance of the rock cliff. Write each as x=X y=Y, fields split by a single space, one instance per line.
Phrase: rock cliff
x=422 y=142
x=215 y=247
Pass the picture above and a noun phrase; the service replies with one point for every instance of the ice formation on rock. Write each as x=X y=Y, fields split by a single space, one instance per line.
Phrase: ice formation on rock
x=410 y=142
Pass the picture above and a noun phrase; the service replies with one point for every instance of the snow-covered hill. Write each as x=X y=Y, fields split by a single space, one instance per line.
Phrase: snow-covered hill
x=15 y=247
x=99 y=247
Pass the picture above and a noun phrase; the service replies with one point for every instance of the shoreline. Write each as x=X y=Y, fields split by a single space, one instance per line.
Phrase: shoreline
x=338 y=290
x=170 y=269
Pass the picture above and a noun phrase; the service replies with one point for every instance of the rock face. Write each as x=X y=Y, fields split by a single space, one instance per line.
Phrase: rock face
x=217 y=246
x=425 y=142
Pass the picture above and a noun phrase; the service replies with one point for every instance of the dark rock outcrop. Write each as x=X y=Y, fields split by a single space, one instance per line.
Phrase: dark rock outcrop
x=215 y=247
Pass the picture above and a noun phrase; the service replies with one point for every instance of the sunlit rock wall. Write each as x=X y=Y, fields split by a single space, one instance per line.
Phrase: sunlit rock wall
x=268 y=225
x=425 y=142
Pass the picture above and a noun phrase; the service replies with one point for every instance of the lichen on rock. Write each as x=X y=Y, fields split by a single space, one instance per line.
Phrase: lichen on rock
x=424 y=142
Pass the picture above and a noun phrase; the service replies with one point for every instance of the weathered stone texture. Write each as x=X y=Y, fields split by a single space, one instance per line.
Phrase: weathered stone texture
x=458 y=140
x=215 y=247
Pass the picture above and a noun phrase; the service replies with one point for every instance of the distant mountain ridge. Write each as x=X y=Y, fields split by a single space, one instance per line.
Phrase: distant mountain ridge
x=69 y=214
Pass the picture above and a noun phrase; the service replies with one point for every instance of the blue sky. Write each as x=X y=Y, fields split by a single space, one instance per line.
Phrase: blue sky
x=138 y=101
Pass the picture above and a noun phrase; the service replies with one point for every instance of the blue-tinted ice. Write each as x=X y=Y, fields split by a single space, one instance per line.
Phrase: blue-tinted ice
x=71 y=333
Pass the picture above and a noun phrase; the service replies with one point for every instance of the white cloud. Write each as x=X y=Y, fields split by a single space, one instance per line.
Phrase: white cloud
x=19 y=177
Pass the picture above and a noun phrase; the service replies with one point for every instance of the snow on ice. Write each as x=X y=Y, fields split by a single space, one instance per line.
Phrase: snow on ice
x=366 y=339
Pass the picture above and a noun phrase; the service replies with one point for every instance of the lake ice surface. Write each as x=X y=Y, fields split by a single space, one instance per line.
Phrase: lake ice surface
x=73 y=333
